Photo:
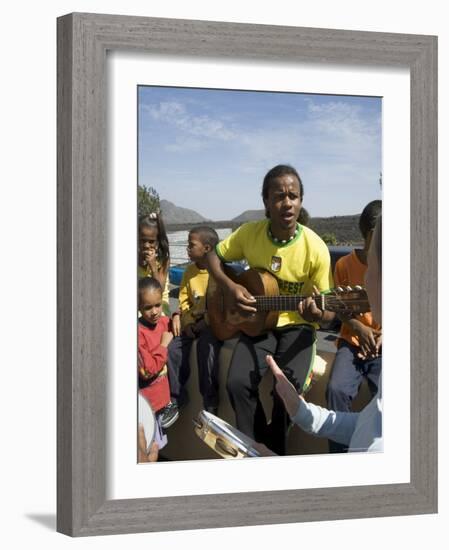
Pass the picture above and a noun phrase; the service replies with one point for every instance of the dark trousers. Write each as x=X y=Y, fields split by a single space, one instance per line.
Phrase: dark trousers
x=348 y=372
x=294 y=350
x=208 y=349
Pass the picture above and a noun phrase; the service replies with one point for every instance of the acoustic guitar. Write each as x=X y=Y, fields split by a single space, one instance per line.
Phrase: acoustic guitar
x=227 y=322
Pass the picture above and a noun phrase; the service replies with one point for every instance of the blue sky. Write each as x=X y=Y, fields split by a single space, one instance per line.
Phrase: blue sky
x=209 y=150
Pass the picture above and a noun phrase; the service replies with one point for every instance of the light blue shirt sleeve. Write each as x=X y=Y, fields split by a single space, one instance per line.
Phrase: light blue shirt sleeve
x=360 y=431
x=338 y=426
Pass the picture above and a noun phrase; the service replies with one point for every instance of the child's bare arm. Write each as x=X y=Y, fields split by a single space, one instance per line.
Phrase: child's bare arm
x=176 y=323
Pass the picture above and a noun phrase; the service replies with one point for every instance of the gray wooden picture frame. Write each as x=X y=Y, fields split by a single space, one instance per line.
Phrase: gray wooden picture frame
x=83 y=41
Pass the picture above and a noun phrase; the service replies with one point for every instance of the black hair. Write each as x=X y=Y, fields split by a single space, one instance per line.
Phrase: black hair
x=368 y=218
x=276 y=172
x=303 y=216
x=377 y=240
x=154 y=220
x=148 y=283
x=206 y=234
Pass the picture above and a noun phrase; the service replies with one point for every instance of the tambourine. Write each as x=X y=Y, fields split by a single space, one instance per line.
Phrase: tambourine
x=223 y=438
x=145 y=416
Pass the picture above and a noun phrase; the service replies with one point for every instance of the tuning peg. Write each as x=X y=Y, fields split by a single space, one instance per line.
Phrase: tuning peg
x=348 y=289
x=358 y=287
x=340 y=289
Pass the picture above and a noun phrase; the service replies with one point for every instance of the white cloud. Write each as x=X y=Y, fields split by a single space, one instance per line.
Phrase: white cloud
x=343 y=128
x=336 y=135
x=335 y=146
x=166 y=110
x=203 y=127
x=185 y=144
x=335 y=129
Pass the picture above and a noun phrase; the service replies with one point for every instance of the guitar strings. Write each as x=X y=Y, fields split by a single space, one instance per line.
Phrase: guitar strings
x=334 y=302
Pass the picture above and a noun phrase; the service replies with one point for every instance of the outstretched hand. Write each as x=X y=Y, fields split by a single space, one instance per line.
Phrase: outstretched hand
x=285 y=389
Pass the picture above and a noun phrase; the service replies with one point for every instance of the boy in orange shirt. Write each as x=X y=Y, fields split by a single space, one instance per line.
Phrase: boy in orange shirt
x=360 y=340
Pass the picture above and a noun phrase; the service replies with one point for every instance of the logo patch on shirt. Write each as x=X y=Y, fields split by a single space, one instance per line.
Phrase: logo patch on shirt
x=276 y=263
x=289 y=287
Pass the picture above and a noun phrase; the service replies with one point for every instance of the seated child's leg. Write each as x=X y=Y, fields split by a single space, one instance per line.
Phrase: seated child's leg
x=343 y=386
x=208 y=350
x=178 y=365
x=345 y=379
x=372 y=372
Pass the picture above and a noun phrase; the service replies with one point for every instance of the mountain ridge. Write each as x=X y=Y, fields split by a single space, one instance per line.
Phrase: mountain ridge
x=171 y=213
x=345 y=228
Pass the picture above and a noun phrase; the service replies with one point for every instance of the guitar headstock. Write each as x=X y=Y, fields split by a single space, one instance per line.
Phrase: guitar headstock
x=346 y=300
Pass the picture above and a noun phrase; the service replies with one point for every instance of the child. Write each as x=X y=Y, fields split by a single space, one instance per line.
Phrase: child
x=359 y=342
x=192 y=296
x=154 y=335
x=154 y=256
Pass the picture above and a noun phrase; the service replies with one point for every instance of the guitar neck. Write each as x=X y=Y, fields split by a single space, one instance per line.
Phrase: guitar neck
x=285 y=303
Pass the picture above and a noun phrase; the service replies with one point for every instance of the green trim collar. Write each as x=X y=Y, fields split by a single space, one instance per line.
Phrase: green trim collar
x=287 y=243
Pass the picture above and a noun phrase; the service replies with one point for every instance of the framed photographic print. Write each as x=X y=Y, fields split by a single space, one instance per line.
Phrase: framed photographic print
x=102 y=59
x=202 y=155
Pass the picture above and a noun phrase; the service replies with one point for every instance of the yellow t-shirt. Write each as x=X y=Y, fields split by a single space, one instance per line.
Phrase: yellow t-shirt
x=298 y=264
x=192 y=294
